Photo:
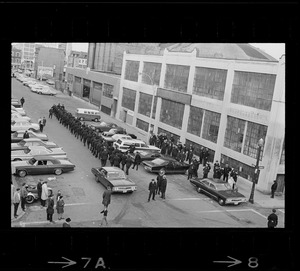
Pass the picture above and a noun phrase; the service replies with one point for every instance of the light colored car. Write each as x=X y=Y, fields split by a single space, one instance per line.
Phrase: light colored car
x=28 y=153
x=28 y=142
x=18 y=135
x=27 y=82
x=16 y=115
x=46 y=91
x=20 y=124
x=36 y=87
x=121 y=136
x=18 y=110
x=50 y=82
x=124 y=144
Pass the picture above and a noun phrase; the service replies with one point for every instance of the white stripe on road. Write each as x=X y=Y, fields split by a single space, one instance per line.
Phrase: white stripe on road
x=191 y=199
x=232 y=210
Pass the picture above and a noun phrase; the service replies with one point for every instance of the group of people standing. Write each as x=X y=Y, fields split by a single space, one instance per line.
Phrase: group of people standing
x=158 y=187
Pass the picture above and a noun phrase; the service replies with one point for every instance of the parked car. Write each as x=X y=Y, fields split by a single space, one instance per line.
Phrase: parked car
x=27 y=142
x=166 y=164
x=114 y=177
x=37 y=87
x=40 y=164
x=46 y=91
x=20 y=110
x=124 y=144
x=105 y=126
x=18 y=135
x=29 y=152
x=115 y=137
x=30 y=81
x=16 y=115
x=21 y=124
x=219 y=190
x=50 y=82
x=107 y=136
x=145 y=155
x=33 y=193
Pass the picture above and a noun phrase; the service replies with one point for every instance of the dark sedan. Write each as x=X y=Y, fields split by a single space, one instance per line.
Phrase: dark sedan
x=145 y=155
x=219 y=190
x=40 y=164
x=166 y=164
x=115 y=178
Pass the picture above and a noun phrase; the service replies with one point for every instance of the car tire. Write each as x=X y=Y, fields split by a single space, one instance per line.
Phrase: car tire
x=22 y=173
x=58 y=171
x=17 y=159
x=29 y=199
x=221 y=202
x=199 y=190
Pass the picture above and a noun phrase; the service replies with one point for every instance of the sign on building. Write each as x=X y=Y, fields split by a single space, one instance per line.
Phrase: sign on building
x=45 y=71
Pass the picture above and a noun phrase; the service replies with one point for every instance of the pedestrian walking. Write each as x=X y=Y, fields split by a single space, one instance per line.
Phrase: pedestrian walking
x=44 y=195
x=39 y=188
x=66 y=224
x=163 y=187
x=23 y=195
x=137 y=160
x=152 y=189
x=273 y=188
x=226 y=171
x=26 y=135
x=104 y=219
x=272 y=219
x=16 y=201
x=22 y=101
x=123 y=161
x=50 y=113
x=158 y=182
x=40 y=122
x=60 y=207
x=50 y=208
x=128 y=164
x=106 y=197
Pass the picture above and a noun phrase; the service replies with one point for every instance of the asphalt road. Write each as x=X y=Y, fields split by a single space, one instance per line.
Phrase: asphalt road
x=183 y=206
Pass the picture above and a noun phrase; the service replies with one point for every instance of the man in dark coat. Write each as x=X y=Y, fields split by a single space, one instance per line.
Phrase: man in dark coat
x=128 y=164
x=50 y=208
x=273 y=189
x=158 y=182
x=272 y=219
x=106 y=197
x=123 y=161
x=152 y=189
x=26 y=135
x=131 y=148
x=22 y=101
x=117 y=160
x=190 y=171
x=137 y=160
x=163 y=187
x=226 y=171
x=206 y=170
x=39 y=188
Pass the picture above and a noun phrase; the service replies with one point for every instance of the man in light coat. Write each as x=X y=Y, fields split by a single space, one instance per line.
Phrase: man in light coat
x=44 y=195
x=106 y=197
x=23 y=195
x=16 y=201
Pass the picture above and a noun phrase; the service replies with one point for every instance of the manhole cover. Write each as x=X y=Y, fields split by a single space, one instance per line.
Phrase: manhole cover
x=77 y=191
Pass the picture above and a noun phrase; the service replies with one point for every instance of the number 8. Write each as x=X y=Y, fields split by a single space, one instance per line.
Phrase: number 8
x=253 y=262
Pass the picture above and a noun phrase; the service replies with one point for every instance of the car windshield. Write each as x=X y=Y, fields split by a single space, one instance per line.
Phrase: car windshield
x=116 y=175
x=223 y=186
x=32 y=161
x=158 y=161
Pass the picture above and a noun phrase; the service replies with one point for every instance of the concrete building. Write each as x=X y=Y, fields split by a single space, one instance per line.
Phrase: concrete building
x=49 y=63
x=16 y=56
x=224 y=97
x=77 y=59
x=28 y=55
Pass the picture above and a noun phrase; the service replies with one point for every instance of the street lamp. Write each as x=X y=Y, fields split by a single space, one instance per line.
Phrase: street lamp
x=256 y=170
x=152 y=103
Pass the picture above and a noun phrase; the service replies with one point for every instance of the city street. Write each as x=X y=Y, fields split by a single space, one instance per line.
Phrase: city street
x=183 y=206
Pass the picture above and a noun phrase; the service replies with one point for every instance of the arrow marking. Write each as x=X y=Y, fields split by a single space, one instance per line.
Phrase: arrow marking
x=69 y=263
x=234 y=262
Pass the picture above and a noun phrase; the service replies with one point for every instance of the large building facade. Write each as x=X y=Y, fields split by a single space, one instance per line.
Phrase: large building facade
x=16 y=56
x=222 y=97
x=28 y=55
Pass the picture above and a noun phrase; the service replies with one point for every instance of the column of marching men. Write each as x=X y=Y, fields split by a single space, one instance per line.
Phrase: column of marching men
x=92 y=140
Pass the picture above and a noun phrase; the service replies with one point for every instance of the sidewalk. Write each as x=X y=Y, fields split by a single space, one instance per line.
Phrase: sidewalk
x=261 y=199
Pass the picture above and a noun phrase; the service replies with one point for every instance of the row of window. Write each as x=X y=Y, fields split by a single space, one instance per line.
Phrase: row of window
x=249 y=88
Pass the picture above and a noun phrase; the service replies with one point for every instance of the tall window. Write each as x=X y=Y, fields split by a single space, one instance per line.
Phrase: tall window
x=210 y=82
x=177 y=77
x=154 y=107
x=171 y=113
x=151 y=70
x=282 y=157
x=234 y=133
x=132 y=70
x=142 y=125
x=145 y=104
x=253 y=89
x=211 y=126
x=128 y=99
x=195 y=120
x=253 y=134
x=108 y=90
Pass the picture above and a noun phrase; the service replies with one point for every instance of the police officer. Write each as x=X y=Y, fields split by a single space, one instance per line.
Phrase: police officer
x=104 y=156
x=272 y=219
x=273 y=189
x=128 y=163
x=137 y=160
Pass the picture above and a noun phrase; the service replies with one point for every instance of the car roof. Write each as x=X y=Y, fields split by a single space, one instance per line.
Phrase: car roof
x=33 y=139
x=112 y=169
x=43 y=157
x=212 y=180
x=87 y=109
x=132 y=140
